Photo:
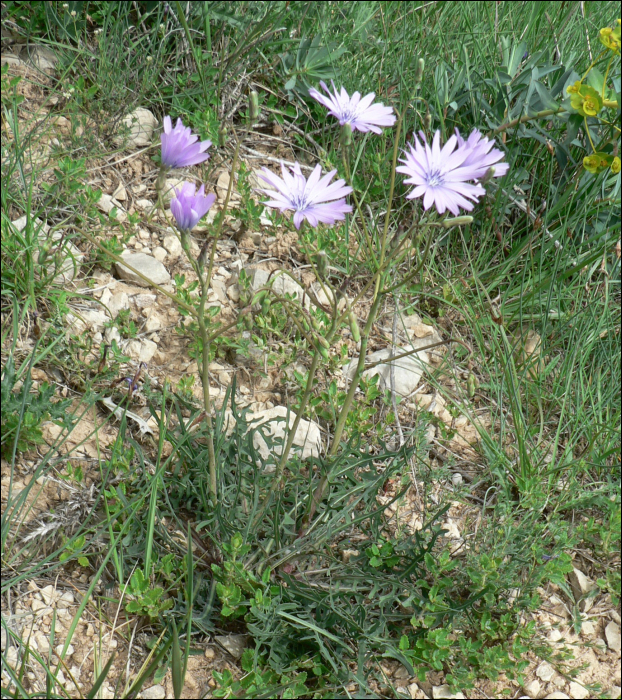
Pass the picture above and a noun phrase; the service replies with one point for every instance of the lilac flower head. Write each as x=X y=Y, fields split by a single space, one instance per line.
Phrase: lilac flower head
x=359 y=112
x=481 y=157
x=311 y=199
x=189 y=208
x=180 y=147
x=442 y=176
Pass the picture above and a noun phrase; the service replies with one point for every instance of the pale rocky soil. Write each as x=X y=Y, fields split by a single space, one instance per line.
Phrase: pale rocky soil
x=127 y=181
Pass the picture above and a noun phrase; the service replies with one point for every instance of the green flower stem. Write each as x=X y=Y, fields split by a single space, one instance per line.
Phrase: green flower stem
x=387 y=217
x=324 y=283
x=605 y=78
x=160 y=183
x=412 y=275
x=290 y=438
x=378 y=281
x=206 y=339
x=368 y=242
x=222 y=329
x=343 y=415
x=318 y=495
x=527 y=118
x=365 y=333
x=589 y=136
x=310 y=335
x=593 y=63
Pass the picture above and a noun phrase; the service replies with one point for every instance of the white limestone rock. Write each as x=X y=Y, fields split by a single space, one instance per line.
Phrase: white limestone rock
x=408 y=370
x=146 y=264
x=141 y=123
x=272 y=422
x=279 y=281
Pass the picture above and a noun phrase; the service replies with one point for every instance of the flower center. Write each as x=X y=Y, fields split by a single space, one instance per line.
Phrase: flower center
x=299 y=200
x=435 y=178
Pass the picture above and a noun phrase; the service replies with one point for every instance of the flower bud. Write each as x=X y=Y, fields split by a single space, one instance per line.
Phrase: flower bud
x=253 y=102
x=419 y=70
x=222 y=136
x=354 y=327
x=323 y=350
x=259 y=297
x=427 y=120
x=202 y=259
x=346 y=135
x=44 y=251
x=323 y=342
x=472 y=384
x=457 y=221
x=488 y=175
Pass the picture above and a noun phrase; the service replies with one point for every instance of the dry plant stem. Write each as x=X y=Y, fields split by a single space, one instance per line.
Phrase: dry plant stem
x=425 y=347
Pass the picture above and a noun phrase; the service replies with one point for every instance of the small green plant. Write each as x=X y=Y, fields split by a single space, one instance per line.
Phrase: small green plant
x=328 y=404
x=249 y=210
x=73 y=473
x=73 y=546
x=147 y=600
x=184 y=386
x=259 y=680
x=237 y=586
x=382 y=555
x=124 y=324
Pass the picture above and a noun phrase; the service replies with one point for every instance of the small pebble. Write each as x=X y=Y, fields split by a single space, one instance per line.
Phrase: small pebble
x=577 y=691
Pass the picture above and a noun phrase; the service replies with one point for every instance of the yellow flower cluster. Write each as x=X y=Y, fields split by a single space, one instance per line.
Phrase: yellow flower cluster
x=584 y=99
x=588 y=101
x=610 y=38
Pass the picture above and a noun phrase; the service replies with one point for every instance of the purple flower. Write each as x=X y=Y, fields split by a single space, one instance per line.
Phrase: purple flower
x=481 y=157
x=310 y=199
x=441 y=175
x=360 y=113
x=188 y=208
x=180 y=147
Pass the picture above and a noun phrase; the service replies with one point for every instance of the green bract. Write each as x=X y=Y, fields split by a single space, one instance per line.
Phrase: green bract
x=586 y=101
